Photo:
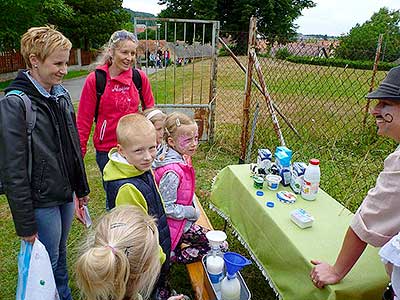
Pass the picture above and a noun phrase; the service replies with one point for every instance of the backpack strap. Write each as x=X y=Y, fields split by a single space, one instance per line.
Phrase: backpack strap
x=101 y=86
x=30 y=118
x=137 y=80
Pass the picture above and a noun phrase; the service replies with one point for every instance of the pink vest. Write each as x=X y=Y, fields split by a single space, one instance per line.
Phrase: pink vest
x=187 y=183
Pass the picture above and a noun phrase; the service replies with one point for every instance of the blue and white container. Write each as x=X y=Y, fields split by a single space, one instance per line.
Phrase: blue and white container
x=264 y=159
x=283 y=158
x=273 y=181
x=296 y=180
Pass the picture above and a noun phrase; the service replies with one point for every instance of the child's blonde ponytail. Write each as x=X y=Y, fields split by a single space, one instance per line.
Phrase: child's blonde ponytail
x=122 y=258
x=103 y=273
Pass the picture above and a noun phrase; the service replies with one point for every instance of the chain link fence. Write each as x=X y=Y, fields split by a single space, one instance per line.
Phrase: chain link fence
x=325 y=105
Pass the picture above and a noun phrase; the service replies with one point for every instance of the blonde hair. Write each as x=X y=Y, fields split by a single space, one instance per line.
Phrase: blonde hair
x=154 y=114
x=121 y=259
x=42 y=42
x=173 y=121
x=114 y=43
x=130 y=126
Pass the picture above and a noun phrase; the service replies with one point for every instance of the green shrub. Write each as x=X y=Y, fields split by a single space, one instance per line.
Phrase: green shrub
x=282 y=53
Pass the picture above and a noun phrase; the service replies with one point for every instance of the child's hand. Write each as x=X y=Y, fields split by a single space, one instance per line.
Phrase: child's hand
x=191 y=213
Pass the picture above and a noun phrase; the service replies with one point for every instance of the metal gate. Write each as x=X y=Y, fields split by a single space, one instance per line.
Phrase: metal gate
x=180 y=59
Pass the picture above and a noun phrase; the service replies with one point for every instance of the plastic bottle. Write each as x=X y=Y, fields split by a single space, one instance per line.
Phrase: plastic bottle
x=214 y=261
x=230 y=289
x=230 y=285
x=312 y=177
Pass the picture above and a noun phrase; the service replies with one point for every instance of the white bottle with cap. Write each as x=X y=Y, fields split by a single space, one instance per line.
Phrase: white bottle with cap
x=312 y=177
x=215 y=259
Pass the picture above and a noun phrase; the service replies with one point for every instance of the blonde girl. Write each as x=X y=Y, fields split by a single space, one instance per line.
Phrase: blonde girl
x=120 y=260
x=176 y=179
x=157 y=117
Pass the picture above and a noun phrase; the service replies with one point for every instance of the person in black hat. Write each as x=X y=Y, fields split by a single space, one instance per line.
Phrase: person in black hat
x=377 y=219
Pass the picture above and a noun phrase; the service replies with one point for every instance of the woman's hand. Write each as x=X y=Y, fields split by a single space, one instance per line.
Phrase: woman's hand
x=323 y=274
x=30 y=239
x=83 y=201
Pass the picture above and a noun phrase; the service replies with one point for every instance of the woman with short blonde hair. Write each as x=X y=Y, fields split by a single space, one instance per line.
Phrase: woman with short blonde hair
x=41 y=170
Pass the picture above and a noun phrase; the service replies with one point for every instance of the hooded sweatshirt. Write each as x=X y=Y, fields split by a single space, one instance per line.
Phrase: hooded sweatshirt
x=118 y=169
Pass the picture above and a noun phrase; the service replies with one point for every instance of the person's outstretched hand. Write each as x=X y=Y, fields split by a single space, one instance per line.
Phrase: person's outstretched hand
x=178 y=297
x=323 y=274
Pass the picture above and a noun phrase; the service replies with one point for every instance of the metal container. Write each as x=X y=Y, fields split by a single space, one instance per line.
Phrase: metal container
x=244 y=290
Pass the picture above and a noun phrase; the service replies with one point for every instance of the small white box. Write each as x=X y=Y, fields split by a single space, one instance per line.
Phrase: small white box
x=301 y=218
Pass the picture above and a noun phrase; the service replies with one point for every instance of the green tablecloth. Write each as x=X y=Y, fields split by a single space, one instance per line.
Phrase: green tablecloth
x=284 y=250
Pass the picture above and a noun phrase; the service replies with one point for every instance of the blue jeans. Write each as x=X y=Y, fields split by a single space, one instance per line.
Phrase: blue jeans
x=102 y=160
x=54 y=224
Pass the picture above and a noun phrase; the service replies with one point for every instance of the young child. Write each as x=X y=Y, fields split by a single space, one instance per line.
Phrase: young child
x=113 y=264
x=129 y=180
x=176 y=179
x=157 y=117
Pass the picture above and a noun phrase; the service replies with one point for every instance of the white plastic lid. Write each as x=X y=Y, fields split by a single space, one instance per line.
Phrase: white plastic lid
x=216 y=237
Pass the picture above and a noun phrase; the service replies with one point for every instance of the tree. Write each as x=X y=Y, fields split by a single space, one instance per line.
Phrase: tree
x=56 y=11
x=274 y=17
x=87 y=23
x=361 y=42
x=16 y=18
x=94 y=21
x=148 y=34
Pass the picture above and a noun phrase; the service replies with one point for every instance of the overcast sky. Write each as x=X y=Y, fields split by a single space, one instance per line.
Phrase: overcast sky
x=331 y=17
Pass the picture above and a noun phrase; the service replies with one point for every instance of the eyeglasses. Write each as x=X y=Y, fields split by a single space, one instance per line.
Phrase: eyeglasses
x=122 y=35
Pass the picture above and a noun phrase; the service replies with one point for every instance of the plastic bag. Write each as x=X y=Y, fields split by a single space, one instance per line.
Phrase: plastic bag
x=35 y=274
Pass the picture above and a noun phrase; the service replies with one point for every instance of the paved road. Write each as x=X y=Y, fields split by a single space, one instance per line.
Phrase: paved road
x=74 y=86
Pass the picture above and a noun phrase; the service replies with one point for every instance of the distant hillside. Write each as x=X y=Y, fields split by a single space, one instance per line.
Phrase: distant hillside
x=325 y=37
x=140 y=14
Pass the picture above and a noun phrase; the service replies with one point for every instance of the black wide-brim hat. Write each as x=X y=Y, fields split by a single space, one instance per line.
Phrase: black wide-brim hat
x=389 y=88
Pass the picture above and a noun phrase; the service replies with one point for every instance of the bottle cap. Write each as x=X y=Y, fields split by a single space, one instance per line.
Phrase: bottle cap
x=270 y=204
x=314 y=161
x=260 y=193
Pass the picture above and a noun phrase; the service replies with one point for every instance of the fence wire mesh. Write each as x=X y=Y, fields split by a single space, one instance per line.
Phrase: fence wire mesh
x=325 y=104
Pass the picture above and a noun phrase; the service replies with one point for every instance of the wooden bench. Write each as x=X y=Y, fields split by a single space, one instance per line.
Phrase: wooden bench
x=195 y=270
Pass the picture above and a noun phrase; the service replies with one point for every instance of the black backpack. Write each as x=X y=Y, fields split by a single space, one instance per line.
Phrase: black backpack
x=30 y=117
x=101 y=85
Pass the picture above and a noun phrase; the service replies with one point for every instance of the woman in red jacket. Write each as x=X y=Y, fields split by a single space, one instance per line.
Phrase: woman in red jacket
x=120 y=96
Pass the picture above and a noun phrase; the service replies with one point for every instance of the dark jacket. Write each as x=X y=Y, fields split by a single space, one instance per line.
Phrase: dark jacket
x=57 y=165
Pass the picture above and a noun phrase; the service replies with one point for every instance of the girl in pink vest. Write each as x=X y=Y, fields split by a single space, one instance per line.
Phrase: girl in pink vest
x=175 y=176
